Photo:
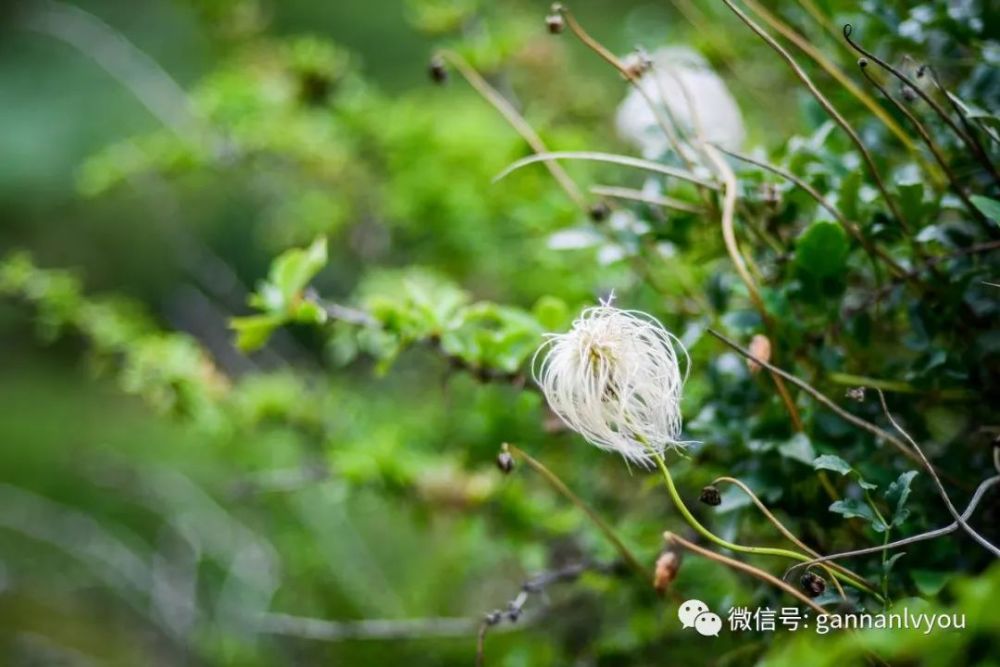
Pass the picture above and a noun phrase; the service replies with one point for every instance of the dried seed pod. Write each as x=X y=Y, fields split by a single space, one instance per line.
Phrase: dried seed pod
x=760 y=347
x=599 y=212
x=555 y=23
x=505 y=462
x=710 y=496
x=813 y=584
x=856 y=394
x=666 y=570
x=437 y=70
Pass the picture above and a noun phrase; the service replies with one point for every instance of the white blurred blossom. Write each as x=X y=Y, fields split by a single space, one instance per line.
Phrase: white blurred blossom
x=675 y=70
x=615 y=378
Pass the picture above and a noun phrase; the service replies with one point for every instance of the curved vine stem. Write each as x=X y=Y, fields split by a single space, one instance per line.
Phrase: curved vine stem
x=743 y=567
x=516 y=120
x=759 y=551
x=830 y=109
x=938 y=109
x=789 y=535
x=925 y=135
x=595 y=156
x=595 y=518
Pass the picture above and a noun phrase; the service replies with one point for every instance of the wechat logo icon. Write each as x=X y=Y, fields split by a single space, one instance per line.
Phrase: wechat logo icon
x=695 y=614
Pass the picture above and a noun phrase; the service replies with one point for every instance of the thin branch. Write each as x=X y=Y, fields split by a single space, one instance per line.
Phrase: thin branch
x=513 y=611
x=833 y=70
x=828 y=106
x=938 y=109
x=789 y=535
x=925 y=135
x=368 y=629
x=850 y=227
x=743 y=567
x=516 y=120
x=937 y=482
x=922 y=537
x=729 y=237
x=645 y=197
x=815 y=393
x=130 y=66
x=638 y=163
x=595 y=518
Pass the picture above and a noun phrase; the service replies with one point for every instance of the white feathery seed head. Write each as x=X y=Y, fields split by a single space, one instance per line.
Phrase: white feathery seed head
x=615 y=378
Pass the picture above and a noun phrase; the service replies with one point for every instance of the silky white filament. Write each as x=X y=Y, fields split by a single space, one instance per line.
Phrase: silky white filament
x=615 y=378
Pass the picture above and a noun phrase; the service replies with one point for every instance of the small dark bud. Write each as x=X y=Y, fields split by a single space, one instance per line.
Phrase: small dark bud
x=862 y=62
x=437 y=70
x=813 y=584
x=505 y=462
x=599 y=212
x=710 y=496
x=921 y=71
x=908 y=94
x=555 y=23
x=493 y=618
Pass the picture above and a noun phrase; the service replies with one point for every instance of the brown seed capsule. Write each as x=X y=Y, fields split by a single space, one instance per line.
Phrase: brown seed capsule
x=666 y=570
x=710 y=496
x=437 y=70
x=505 y=462
x=760 y=347
x=599 y=212
x=555 y=23
x=812 y=584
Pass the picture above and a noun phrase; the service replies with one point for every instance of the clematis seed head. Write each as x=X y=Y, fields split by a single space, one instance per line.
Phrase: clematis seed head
x=615 y=377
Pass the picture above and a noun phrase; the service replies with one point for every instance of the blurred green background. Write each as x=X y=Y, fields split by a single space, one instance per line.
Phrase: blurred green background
x=142 y=525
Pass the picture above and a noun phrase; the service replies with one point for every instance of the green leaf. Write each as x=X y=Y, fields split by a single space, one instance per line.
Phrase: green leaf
x=821 y=250
x=798 y=448
x=929 y=582
x=988 y=207
x=831 y=462
x=897 y=494
x=253 y=331
x=852 y=508
x=552 y=313
x=839 y=465
x=293 y=269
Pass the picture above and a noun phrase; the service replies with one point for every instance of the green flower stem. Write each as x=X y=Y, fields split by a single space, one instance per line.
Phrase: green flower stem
x=761 y=551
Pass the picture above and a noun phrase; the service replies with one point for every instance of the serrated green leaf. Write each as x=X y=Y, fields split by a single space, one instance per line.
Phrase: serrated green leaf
x=821 y=250
x=897 y=494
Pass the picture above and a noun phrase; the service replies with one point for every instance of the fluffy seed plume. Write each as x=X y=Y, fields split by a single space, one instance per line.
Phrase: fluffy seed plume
x=615 y=378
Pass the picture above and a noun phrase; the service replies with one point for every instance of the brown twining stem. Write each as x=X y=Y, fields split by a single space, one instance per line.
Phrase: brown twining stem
x=850 y=227
x=822 y=398
x=983 y=487
x=938 y=109
x=975 y=249
x=788 y=535
x=732 y=247
x=832 y=69
x=925 y=135
x=976 y=144
x=986 y=544
x=516 y=120
x=560 y=486
x=673 y=538
x=536 y=585
x=830 y=109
